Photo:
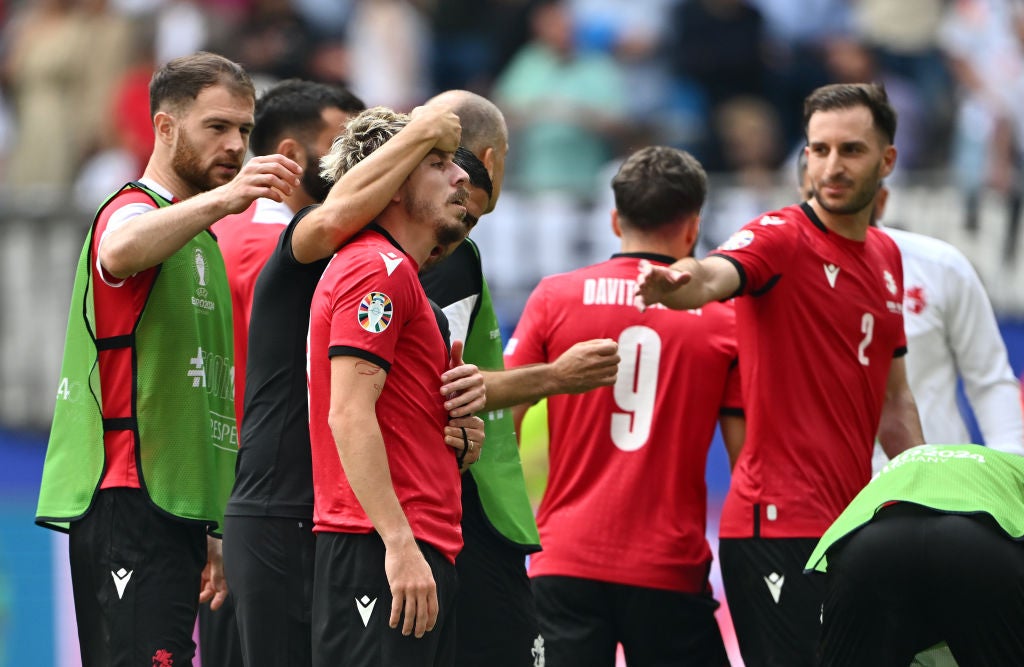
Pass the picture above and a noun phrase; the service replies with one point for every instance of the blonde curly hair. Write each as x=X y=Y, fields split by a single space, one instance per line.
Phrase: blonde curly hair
x=362 y=135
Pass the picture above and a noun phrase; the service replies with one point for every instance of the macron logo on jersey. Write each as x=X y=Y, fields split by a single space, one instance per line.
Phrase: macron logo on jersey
x=772 y=220
x=831 y=272
x=121 y=579
x=774 y=581
x=364 y=606
x=391 y=261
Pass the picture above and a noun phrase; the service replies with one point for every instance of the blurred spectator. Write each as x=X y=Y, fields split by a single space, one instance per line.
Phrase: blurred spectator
x=984 y=41
x=718 y=45
x=566 y=111
x=799 y=32
x=62 y=60
x=325 y=17
x=388 y=51
x=131 y=127
x=272 y=42
x=903 y=38
x=565 y=108
x=462 y=44
x=634 y=33
x=748 y=128
x=183 y=27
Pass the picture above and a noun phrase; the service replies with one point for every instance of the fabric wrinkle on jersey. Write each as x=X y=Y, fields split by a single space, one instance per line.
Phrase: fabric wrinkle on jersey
x=596 y=519
x=819 y=322
x=369 y=304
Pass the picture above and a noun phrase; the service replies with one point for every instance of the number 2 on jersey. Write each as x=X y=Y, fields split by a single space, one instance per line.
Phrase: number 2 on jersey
x=867 y=327
x=635 y=387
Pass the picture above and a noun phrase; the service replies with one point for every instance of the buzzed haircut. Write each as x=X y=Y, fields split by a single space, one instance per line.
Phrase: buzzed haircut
x=659 y=185
x=362 y=136
x=850 y=95
x=483 y=124
x=293 y=108
x=177 y=84
x=475 y=169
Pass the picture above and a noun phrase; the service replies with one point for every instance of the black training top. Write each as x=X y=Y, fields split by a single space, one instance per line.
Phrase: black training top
x=274 y=473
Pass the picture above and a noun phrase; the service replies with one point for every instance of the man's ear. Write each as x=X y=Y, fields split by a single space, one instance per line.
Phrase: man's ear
x=293 y=150
x=888 y=160
x=164 y=127
x=616 y=227
x=489 y=160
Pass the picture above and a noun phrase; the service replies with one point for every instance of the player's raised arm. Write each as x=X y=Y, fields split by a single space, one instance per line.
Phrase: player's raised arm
x=689 y=283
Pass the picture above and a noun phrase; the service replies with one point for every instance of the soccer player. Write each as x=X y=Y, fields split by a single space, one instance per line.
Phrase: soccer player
x=623 y=517
x=142 y=453
x=498 y=525
x=269 y=546
x=297 y=119
x=386 y=487
x=952 y=334
x=820 y=325
x=896 y=577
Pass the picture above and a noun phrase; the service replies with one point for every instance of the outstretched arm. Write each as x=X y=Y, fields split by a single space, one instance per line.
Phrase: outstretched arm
x=151 y=237
x=363 y=192
x=689 y=283
x=584 y=366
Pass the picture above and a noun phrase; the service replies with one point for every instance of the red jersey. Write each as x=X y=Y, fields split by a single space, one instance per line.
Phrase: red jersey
x=119 y=304
x=246 y=240
x=369 y=304
x=626 y=497
x=819 y=324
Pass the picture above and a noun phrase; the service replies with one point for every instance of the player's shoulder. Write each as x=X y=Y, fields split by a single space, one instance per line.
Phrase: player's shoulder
x=777 y=226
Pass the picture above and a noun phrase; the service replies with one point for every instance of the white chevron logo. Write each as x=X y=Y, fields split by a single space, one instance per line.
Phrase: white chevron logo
x=775 y=582
x=364 y=606
x=391 y=261
x=831 y=272
x=121 y=578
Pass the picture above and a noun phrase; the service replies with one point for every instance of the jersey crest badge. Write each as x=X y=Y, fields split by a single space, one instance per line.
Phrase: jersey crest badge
x=914 y=300
x=740 y=239
x=375 y=311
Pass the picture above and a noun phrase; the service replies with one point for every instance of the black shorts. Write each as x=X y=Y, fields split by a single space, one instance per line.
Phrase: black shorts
x=269 y=566
x=582 y=621
x=352 y=607
x=775 y=606
x=913 y=577
x=492 y=568
x=135 y=574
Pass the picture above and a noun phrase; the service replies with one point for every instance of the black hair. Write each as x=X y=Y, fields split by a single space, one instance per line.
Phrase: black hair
x=293 y=107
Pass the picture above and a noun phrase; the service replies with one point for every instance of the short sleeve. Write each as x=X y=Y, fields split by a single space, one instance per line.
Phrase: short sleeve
x=761 y=250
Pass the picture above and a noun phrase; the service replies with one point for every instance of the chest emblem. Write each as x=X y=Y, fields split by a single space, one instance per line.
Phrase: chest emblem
x=913 y=299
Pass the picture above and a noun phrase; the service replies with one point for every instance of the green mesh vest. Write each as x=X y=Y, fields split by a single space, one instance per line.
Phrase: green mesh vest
x=182 y=399
x=973 y=480
x=499 y=472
